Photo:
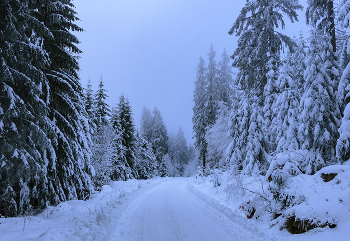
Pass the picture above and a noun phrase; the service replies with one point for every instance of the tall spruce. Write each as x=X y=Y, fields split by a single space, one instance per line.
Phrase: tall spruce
x=70 y=136
x=25 y=149
x=89 y=101
x=320 y=15
x=45 y=139
x=102 y=110
x=343 y=143
x=259 y=41
x=160 y=136
x=225 y=80
x=199 y=118
x=128 y=129
x=319 y=110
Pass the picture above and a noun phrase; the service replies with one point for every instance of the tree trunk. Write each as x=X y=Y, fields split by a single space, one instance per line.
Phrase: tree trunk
x=331 y=25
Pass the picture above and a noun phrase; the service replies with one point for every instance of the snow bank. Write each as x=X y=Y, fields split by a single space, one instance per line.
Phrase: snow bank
x=325 y=202
x=93 y=219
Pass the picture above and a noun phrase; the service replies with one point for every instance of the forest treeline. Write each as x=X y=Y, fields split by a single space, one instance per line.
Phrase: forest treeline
x=58 y=142
x=294 y=102
x=121 y=151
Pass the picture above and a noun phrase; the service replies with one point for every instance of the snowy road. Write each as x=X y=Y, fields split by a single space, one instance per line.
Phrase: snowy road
x=170 y=211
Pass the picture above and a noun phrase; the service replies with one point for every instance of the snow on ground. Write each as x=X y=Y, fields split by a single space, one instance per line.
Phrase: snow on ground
x=324 y=201
x=93 y=219
x=169 y=209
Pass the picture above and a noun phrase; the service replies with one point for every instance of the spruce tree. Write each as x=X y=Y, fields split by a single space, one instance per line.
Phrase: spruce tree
x=119 y=167
x=25 y=149
x=259 y=41
x=102 y=110
x=89 y=101
x=213 y=88
x=128 y=130
x=146 y=124
x=320 y=15
x=225 y=80
x=319 y=110
x=159 y=135
x=68 y=178
x=199 y=118
x=343 y=143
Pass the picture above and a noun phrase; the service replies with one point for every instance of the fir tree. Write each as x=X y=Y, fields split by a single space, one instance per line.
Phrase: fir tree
x=213 y=88
x=102 y=108
x=199 y=118
x=25 y=149
x=320 y=15
x=89 y=101
x=145 y=161
x=128 y=130
x=225 y=80
x=159 y=136
x=343 y=143
x=259 y=41
x=181 y=153
x=146 y=124
x=319 y=110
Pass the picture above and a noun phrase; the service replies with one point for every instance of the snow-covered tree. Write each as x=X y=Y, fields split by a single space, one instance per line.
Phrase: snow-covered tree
x=25 y=148
x=225 y=80
x=70 y=133
x=126 y=122
x=159 y=137
x=199 y=118
x=146 y=124
x=180 y=153
x=145 y=164
x=119 y=168
x=246 y=150
x=213 y=88
x=218 y=139
x=343 y=143
x=89 y=101
x=320 y=15
x=318 y=131
x=102 y=110
x=259 y=40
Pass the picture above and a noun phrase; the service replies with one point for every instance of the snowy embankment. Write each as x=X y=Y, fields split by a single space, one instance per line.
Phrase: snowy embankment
x=93 y=219
x=321 y=203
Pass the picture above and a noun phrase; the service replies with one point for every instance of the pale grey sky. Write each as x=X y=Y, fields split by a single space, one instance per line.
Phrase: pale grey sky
x=149 y=50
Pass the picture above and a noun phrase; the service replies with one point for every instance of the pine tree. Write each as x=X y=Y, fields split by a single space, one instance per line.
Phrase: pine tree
x=319 y=110
x=25 y=149
x=343 y=143
x=320 y=15
x=119 y=168
x=102 y=108
x=225 y=80
x=218 y=139
x=70 y=136
x=181 y=153
x=146 y=124
x=213 y=88
x=128 y=130
x=145 y=161
x=89 y=101
x=199 y=118
x=160 y=137
x=49 y=142
x=259 y=41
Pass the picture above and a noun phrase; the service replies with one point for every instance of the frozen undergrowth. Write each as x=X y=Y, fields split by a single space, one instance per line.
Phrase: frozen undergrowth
x=75 y=220
x=321 y=201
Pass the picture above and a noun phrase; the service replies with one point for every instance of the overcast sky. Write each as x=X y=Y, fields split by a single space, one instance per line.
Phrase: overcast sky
x=149 y=50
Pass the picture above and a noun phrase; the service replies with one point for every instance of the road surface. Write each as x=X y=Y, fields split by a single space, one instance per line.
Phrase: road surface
x=171 y=211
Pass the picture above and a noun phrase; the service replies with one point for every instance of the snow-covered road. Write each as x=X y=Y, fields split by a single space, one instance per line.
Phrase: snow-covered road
x=171 y=211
